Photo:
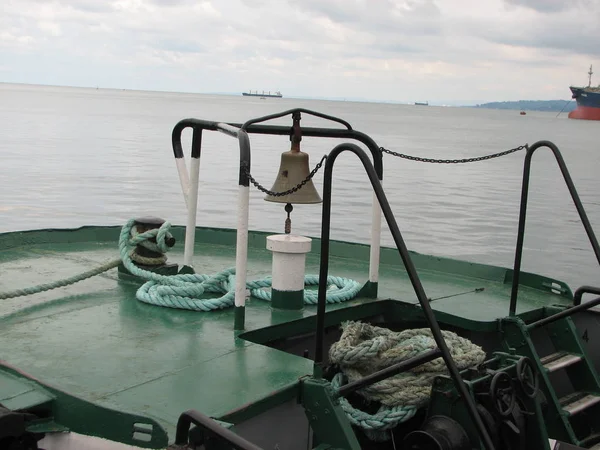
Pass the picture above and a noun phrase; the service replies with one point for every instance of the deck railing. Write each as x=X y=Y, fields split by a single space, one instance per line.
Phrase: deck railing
x=190 y=181
x=523 y=214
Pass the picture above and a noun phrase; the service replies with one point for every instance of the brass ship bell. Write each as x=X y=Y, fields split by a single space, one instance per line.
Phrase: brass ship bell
x=293 y=170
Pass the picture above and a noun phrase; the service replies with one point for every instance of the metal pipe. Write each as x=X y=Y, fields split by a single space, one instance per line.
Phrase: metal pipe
x=292 y=111
x=584 y=290
x=228 y=129
x=523 y=213
x=184 y=179
x=236 y=130
x=279 y=130
x=207 y=424
x=410 y=268
x=241 y=246
x=390 y=371
x=326 y=133
x=375 y=250
x=192 y=198
x=567 y=312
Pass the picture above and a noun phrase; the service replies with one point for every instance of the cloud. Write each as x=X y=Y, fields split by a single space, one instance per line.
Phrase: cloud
x=401 y=50
x=552 y=6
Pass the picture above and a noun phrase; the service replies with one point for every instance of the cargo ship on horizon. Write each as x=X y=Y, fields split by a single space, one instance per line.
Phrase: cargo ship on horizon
x=263 y=94
x=588 y=101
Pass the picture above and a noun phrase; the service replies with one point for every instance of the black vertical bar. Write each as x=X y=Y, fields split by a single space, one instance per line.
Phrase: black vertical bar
x=244 y=142
x=410 y=269
x=196 y=142
x=324 y=265
x=523 y=213
x=520 y=234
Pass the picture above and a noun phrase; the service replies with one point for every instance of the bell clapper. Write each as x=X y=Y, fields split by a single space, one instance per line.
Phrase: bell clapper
x=288 y=222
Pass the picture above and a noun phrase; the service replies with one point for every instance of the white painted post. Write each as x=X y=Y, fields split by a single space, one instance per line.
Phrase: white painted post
x=184 y=179
x=289 y=260
x=241 y=251
x=375 y=241
x=241 y=256
x=190 y=230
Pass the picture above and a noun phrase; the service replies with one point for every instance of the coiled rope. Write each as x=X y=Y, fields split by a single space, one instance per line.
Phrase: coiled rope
x=185 y=291
x=364 y=349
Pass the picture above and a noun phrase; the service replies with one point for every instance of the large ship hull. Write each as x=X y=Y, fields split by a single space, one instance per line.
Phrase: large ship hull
x=588 y=104
x=247 y=94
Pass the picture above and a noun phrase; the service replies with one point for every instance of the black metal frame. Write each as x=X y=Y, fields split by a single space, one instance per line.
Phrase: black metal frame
x=198 y=126
x=578 y=307
x=254 y=126
x=375 y=172
x=412 y=274
x=584 y=290
x=523 y=214
x=210 y=428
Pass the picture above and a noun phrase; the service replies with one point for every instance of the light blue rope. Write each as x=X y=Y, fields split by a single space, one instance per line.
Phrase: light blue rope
x=362 y=349
x=376 y=425
x=184 y=291
x=60 y=283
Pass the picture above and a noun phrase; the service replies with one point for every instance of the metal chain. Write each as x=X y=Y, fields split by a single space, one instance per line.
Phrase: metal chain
x=289 y=191
x=455 y=161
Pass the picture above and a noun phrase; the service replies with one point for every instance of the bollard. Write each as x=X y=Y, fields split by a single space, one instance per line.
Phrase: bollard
x=289 y=258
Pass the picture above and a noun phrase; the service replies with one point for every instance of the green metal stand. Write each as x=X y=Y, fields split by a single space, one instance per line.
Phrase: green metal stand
x=325 y=415
x=570 y=416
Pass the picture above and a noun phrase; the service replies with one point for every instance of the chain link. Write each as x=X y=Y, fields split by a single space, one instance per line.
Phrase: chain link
x=384 y=150
x=289 y=191
x=454 y=161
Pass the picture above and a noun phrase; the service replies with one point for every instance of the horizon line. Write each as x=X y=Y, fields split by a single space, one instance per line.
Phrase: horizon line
x=458 y=103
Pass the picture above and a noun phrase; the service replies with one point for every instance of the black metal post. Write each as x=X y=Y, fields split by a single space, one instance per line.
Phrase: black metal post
x=408 y=264
x=523 y=213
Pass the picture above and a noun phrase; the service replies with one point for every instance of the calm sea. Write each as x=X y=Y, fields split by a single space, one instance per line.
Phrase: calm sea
x=72 y=157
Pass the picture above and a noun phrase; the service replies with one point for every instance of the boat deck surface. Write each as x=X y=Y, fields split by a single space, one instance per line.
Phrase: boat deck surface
x=94 y=340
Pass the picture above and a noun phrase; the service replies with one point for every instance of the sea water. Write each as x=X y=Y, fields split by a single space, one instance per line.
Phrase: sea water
x=79 y=156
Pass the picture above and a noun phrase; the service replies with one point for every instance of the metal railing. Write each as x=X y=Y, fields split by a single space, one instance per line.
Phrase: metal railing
x=412 y=274
x=190 y=181
x=577 y=307
x=210 y=429
x=523 y=214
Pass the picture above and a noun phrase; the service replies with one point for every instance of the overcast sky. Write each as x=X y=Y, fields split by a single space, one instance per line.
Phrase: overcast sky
x=444 y=51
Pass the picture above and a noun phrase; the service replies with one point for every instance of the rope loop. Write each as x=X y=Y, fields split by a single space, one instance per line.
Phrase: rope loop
x=183 y=291
x=364 y=349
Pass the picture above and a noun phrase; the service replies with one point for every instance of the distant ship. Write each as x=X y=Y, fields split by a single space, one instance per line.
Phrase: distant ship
x=588 y=101
x=422 y=103
x=262 y=94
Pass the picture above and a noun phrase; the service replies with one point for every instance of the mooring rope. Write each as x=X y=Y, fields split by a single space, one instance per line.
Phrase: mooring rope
x=60 y=283
x=364 y=349
x=185 y=291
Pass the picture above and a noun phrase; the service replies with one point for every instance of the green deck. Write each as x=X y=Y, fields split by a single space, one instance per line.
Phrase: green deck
x=96 y=341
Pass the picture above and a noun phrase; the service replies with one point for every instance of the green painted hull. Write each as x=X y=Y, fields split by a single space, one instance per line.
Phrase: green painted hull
x=441 y=350
x=95 y=341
